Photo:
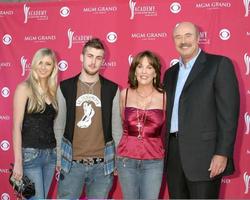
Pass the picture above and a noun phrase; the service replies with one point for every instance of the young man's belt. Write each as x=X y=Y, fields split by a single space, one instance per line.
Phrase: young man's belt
x=90 y=161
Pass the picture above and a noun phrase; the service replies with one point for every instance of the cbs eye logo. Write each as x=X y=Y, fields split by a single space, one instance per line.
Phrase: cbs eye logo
x=224 y=34
x=5 y=92
x=7 y=39
x=111 y=37
x=64 y=11
x=175 y=7
x=5 y=145
x=63 y=65
x=5 y=196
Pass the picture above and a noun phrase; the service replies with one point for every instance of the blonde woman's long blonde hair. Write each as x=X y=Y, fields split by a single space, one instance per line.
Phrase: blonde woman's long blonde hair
x=37 y=98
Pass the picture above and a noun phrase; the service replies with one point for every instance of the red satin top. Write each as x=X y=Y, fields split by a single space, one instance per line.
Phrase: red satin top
x=151 y=145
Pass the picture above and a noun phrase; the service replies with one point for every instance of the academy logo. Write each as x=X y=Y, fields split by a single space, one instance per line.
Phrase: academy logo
x=26 y=13
x=34 y=14
x=246 y=5
x=246 y=178
x=130 y=59
x=147 y=10
x=76 y=39
x=24 y=65
x=247 y=63
x=247 y=122
x=132 y=8
x=70 y=37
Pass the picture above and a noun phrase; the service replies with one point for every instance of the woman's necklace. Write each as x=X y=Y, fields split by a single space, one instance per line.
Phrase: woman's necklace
x=144 y=96
x=141 y=115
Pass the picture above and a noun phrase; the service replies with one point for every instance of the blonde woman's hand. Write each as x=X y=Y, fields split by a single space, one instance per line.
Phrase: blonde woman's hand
x=58 y=168
x=17 y=171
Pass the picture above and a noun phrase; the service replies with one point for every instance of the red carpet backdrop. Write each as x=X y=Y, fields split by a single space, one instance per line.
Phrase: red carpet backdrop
x=126 y=27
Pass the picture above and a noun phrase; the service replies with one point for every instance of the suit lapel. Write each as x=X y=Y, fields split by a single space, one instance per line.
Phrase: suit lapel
x=197 y=68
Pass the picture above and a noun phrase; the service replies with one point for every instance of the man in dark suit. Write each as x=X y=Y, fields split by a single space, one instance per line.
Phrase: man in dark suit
x=202 y=117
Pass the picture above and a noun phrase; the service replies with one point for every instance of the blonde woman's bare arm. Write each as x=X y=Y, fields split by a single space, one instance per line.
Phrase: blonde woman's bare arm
x=19 y=102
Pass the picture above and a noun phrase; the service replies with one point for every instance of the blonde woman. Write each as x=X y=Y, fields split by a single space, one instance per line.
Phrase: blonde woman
x=34 y=110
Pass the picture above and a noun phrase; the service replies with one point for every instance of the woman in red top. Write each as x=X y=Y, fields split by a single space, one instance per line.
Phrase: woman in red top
x=140 y=153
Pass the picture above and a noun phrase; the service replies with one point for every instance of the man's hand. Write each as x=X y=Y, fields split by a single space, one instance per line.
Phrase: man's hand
x=217 y=165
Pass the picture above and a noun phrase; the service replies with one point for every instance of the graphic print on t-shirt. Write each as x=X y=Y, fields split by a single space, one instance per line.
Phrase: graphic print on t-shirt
x=88 y=103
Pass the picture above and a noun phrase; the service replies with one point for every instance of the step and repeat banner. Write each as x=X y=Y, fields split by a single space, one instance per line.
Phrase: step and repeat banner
x=126 y=27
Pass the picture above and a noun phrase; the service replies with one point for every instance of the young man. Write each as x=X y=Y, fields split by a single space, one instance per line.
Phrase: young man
x=89 y=119
x=202 y=117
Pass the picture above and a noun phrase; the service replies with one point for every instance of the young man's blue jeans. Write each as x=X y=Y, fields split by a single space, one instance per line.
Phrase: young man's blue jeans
x=91 y=176
x=39 y=165
x=140 y=179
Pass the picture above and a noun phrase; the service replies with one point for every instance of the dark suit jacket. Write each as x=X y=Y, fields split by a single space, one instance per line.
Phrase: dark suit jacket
x=208 y=113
